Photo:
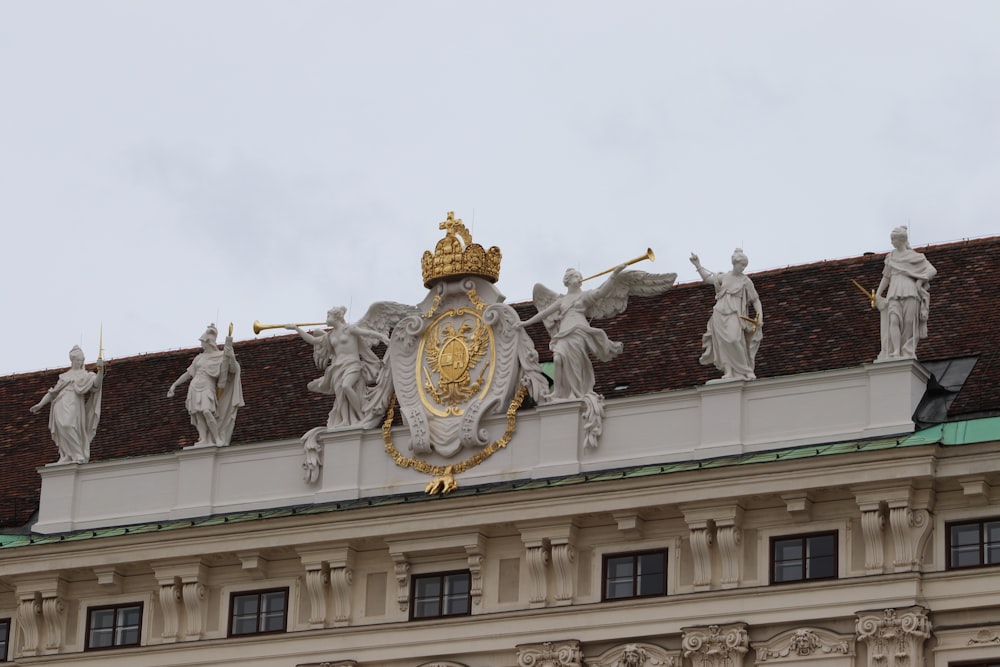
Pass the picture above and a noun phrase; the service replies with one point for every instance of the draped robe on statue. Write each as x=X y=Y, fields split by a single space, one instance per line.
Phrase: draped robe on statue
x=203 y=394
x=75 y=412
x=904 y=317
x=730 y=342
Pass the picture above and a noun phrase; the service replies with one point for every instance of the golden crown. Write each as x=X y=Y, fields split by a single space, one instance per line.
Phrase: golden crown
x=456 y=255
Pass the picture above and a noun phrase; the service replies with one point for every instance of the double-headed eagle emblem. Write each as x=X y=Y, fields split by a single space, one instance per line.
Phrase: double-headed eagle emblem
x=452 y=354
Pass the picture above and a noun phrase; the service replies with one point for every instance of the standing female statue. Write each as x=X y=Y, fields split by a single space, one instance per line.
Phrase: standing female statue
x=732 y=337
x=76 y=408
x=903 y=298
x=216 y=391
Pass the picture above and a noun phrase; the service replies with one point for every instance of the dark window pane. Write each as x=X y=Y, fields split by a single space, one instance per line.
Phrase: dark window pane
x=785 y=550
x=245 y=605
x=635 y=575
x=102 y=618
x=427 y=608
x=428 y=587
x=821 y=545
x=965 y=534
x=258 y=612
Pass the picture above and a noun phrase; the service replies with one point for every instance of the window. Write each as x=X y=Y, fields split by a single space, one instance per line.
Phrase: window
x=258 y=612
x=635 y=575
x=445 y=594
x=114 y=625
x=803 y=557
x=4 y=638
x=973 y=543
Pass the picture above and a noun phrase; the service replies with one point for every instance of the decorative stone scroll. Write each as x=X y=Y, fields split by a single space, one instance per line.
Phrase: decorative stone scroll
x=636 y=654
x=895 y=637
x=716 y=645
x=550 y=654
x=804 y=643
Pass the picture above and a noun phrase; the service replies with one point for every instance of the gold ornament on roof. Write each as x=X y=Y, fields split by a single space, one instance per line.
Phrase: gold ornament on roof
x=456 y=255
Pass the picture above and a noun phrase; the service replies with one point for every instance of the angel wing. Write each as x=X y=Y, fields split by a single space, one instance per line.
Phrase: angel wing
x=382 y=316
x=542 y=296
x=611 y=298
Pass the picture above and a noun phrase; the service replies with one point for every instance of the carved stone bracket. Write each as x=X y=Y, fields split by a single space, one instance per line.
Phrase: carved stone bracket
x=563 y=559
x=317 y=585
x=536 y=555
x=872 y=528
x=195 y=597
x=29 y=612
x=719 y=524
x=54 y=617
x=637 y=654
x=170 y=601
x=475 y=555
x=804 y=643
x=895 y=637
x=550 y=654
x=401 y=567
x=555 y=544
x=183 y=593
x=716 y=645
x=908 y=510
x=702 y=538
x=911 y=529
x=41 y=613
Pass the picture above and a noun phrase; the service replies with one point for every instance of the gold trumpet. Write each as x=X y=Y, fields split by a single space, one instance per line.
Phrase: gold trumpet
x=258 y=327
x=649 y=255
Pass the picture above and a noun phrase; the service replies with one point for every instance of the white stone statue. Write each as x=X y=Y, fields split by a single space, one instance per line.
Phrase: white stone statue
x=567 y=318
x=732 y=337
x=903 y=299
x=76 y=408
x=216 y=390
x=344 y=354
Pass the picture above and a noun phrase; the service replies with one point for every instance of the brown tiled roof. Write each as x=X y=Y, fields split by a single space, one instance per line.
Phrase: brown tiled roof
x=815 y=319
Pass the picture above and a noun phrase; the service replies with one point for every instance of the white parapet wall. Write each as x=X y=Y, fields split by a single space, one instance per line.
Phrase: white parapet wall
x=719 y=419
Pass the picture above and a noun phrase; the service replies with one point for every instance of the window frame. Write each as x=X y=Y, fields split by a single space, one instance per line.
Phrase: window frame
x=441 y=576
x=5 y=623
x=259 y=594
x=115 y=627
x=635 y=555
x=804 y=538
x=982 y=544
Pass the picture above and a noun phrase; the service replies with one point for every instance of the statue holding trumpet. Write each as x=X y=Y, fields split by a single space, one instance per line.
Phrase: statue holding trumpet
x=732 y=337
x=344 y=354
x=567 y=318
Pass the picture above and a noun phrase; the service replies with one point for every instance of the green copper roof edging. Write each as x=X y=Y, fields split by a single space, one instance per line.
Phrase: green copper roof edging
x=949 y=434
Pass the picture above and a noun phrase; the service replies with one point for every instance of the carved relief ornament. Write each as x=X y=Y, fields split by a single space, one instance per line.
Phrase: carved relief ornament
x=716 y=645
x=803 y=643
x=895 y=637
x=636 y=654
x=550 y=654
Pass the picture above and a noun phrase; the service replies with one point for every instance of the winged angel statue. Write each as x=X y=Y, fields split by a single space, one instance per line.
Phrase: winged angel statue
x=567 y=318
x=350 y=366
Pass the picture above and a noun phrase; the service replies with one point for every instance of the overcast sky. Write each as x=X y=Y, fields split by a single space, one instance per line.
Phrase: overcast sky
x=166 y=164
